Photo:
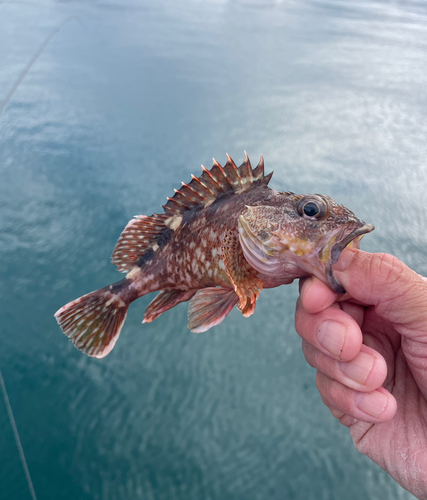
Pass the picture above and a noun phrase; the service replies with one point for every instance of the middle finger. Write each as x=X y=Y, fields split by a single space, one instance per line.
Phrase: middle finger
x=365 y=373
x=331 y=331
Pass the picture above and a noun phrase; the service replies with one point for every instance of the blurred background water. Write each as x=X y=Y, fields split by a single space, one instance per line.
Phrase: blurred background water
x=125 y=102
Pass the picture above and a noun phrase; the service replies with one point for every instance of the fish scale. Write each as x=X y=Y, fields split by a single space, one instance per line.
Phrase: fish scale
x=221 y=239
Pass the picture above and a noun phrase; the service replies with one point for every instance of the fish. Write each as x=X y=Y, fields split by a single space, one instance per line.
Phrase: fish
x=221 y=239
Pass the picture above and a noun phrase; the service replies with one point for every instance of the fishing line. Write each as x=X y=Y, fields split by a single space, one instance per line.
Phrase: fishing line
x=16 y=435
x=2 y=384
x=31 y=62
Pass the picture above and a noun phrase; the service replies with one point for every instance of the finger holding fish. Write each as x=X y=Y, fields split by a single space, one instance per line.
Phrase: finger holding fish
x=331 y=331
x=316 y=296
x=375 y=406
x=365 y=373
x=349 y=378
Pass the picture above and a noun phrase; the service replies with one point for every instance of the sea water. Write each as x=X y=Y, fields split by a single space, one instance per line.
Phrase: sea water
x=126 y=101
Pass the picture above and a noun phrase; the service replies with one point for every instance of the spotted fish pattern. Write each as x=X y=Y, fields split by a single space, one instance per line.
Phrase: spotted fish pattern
x=194 y=251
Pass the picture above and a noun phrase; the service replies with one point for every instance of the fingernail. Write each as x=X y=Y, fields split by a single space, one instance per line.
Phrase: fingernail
x=358 y=368
x=331 y=336
x=345 y=259
x=372 y=403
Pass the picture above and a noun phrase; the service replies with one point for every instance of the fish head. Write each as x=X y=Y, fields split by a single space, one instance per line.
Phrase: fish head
x=300 y=235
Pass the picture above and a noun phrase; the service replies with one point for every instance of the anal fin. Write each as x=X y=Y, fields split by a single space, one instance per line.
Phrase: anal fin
x=164 y=301
x=209 y=307
x=242 y=275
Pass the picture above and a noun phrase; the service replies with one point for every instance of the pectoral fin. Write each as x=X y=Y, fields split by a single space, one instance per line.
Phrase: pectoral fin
x=244 y=278
x=209 y=307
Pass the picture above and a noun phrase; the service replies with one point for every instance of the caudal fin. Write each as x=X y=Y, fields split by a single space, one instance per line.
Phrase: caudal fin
x=93 y=322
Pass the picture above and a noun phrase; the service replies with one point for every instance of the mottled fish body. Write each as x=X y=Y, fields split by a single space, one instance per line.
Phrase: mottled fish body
x=221 y=239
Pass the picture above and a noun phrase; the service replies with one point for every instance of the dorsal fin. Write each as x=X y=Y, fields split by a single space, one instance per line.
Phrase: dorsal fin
x=144 y=235
x=211 y=183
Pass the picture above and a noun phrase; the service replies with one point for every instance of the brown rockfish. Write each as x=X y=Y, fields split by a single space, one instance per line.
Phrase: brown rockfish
x=221 y=239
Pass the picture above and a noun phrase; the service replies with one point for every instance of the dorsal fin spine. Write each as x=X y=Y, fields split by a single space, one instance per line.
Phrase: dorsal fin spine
x=178 y=202
x=214 y=179
x=231 y=162
x=261 y=163
x=170 y=210
x=181 y=197
x=191 y=189
x=245 y=171
x=198 y=197
x=196 y=179
x=258 y=171
x=267 y=178
x=194 y=196
x=222 y=172
x=232 y=173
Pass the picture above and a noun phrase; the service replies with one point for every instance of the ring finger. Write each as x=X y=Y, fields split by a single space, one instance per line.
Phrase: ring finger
x=366 y=372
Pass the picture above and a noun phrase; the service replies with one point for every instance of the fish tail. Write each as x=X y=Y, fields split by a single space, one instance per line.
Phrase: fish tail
x=93 y=322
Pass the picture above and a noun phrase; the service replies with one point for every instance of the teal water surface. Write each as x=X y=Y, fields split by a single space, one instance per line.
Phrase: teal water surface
x=124 y=103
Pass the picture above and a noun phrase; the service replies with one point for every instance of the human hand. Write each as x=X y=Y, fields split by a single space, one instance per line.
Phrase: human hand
x=369 y=347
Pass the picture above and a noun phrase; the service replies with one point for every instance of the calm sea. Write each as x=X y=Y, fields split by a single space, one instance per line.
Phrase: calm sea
x=126 y=101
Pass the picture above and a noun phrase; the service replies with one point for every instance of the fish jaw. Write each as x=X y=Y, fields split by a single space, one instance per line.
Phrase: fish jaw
x=351 y=240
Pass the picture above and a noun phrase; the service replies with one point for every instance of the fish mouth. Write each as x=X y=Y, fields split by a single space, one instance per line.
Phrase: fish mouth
x=335 y=251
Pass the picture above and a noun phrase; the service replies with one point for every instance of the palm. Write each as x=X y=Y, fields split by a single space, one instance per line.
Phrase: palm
x=401 y=454
x=377 y=388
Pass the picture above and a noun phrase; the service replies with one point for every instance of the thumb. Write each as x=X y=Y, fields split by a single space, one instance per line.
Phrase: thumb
x=398 y=293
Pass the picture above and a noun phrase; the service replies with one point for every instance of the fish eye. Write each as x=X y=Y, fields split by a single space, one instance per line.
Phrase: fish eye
x=310 y=209
x=313 y=207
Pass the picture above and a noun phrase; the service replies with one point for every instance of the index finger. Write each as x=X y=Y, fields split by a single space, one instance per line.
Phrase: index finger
x=398 y=293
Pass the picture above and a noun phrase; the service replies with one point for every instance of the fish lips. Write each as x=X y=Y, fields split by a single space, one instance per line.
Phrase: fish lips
x=336 y=250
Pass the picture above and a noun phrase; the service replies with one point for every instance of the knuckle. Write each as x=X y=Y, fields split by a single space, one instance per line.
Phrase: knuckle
x=302 y=323
x=309 y=353
x=336 y=413
x=299 y=314
x=299 y=325
x=319 y=382
x=394 y=280
x=324 y=384
x=337 y=395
